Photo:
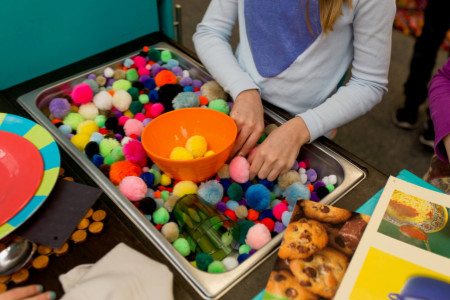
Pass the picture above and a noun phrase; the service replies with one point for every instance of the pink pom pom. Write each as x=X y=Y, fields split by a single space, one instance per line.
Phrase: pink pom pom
x=123 y=120
x=156 y=109
x=257 y=236
x=140 y=117
x=133 y=126
x=143 y=71
x=133 y=187
x=239 y=169
x=81 y=94
x=278 y=210
x=139 y=61
x=145 y=169
x=134 y=152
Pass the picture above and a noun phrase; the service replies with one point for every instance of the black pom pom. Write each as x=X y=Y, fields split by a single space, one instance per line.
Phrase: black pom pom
x=120 y=130
x=166 y=94
x=147 y=205
x=105 y=168
x=91 y=149
x=322 y=192
x=59 y=124
x=111 y=123
x=139 y=85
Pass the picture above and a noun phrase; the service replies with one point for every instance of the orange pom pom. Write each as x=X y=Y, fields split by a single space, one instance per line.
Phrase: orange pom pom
x=310 y=187
x=145 y=49
x=111 y=92
x=157 y=194
x=252 y=215
x=55 y=121
x=121 y=169
x=165 y=77
x=203 y=100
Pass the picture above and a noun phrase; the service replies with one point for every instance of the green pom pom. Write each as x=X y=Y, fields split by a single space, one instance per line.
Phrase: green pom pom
x=166 y=55
x=144 y=99
x=134 y=93
x=100 y=120
x=219 y=105
x=117 y=153
x=244 y=226
x=272 y=196
x=203 y=260
x=216 y=267
x=73 y=120
x=109 y=159
x=244 y=249
x=182 y=245
x=330 y=187
x=262 y=138
x=161 y=216
x=227 y=238
x=235 y=191
x=136 y=107
x=157 y=175
x=121 y=84
x=132 y=75
x=154 y=55
x=107 y=145
x=165 y=195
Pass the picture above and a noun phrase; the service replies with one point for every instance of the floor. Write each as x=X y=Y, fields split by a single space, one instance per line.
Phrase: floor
x=372 y=137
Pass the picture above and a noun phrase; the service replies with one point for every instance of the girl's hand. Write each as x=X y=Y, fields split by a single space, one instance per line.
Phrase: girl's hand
x=29 y=292
x=277 y=154
x=446 y=141
x=248 y=113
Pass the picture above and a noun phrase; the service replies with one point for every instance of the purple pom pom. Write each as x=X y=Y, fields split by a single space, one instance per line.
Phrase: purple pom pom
x=59 y=107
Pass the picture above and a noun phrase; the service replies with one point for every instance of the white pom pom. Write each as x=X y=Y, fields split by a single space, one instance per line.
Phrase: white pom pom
x=121 y=100
x=108 y=72
x=186 y=73
x=230 y=263
x=89 y=111
x=332 y=179
x=302 y=171
x=103 y=100
x=303 y=178
x=326 y=180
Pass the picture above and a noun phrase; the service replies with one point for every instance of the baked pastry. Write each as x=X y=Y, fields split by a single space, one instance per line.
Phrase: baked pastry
x=283 y=283
x=303 y=238
x=336 y=241
x=322 y=272
x=325 y=213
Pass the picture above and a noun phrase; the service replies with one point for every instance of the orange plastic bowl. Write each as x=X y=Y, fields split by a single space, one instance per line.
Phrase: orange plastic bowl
x=174 y=128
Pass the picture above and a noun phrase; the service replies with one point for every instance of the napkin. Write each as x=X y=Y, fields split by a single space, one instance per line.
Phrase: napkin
x=123 y=273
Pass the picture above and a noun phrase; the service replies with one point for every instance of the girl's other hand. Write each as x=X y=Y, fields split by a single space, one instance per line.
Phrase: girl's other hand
x=277 y=154
x=29 y=292
x=248 y=113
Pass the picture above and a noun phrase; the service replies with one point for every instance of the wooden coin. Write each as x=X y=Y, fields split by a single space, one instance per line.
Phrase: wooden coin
x=2 y=247
x=89 y=213
x=69 y=179
x=63 y=250
x=5 y=279
x=96 y=227
x=83 y=224
x=79 y=236
x=41 y=262
x=20 y=276
x=99 y=215
x=3 y=287
x=44 y=250
x=61 y=172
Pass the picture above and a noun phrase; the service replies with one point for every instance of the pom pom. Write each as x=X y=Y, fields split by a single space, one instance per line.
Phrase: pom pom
x=154 y=55
x=216 y=267
x=242 y=257
x=108 y=72
x=322 y=191
x=235 y=191
x=230 y=263
x=182 y=246
x=157 y=175
x=180 y=153
x=210 y=192
x=59 y=107
x=197 y=146
x=133 y=126
x=81 y=93
x=258 y=197
x=147 y=205
x=160 y=216
x=107 y=145
x=239 y=169
x=165 y=77
x=121 y=100
x=244 y=227
x=65 y=129
x=87 y=127
x=212 y=90
x=312 y=175
x=170 y=202
x=185 y=100
x=97 y=160
x=133 y=187
x=258 y=236
x=80 y=141
x=278 y=210
x=132 y=75
x=121 y=84
x=100 y=120
x=231 y=204
x=122 y=169
x=252 y=215
x=166 y=55
x=73 y=119
x=221 y=206
x=224 y=171
x=288 y=178
x=219 y=105
x=296 y=191
x=134 y=93
x=203 y=260
x=170 y=231
x=286 y=217
x=91 y=149
x=185 y=187
x=268 y=184
x=134 y=152
x=166 y=93
x=241 y=212
x=156 y=109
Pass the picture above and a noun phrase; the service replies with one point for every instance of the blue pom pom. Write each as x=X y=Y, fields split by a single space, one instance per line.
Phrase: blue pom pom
x=286 y=218
x=246 y=185
x=258 y=197
x=97 y=160
x=185 y=100
x=268 y=184
x=242 y=257
x=153 y=96
x=65 y=128
x=128 y=62
x=232 y=204
x=267 y=213
x=295 y=191
x=210 y=192
x=277 y=190
x=188 y=89
x=96 y=137
x=149 y=178
x=150 y=83
x=172 y=63
x=225 y=182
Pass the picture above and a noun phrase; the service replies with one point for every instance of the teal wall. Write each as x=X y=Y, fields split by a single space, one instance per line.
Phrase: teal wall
x=37 y=37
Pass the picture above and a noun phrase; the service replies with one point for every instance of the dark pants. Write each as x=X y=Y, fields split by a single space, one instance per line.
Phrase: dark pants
x=436 y=24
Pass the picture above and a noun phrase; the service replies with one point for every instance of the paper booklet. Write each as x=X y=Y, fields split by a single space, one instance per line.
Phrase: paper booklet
x=402 y=252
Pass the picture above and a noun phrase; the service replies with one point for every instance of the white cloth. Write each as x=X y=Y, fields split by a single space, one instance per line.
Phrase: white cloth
x=123 y=273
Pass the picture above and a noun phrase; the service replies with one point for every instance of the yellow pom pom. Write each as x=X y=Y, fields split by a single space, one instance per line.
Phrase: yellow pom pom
x=128 y=114
x=87 y=127
x=194 y=263
x=74 y=108
x=180 y=153
x=165 y=180
x=209 y=153
x=197 y=146
x=185 y=187
x=80 y=141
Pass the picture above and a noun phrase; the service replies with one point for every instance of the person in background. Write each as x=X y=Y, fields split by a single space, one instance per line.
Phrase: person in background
x=436 y=24
x=439 y=102
x=293 y=54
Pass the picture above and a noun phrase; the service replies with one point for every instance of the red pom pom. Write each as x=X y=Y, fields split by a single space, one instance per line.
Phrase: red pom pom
x=158 y=226
x=196 y=89
x=253 y=215
x=225 y=199
x=230 y=214
x=103 y=131
x=270 y=224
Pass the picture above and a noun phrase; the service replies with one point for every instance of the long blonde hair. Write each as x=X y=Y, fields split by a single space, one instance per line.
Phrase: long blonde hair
x=330 y=10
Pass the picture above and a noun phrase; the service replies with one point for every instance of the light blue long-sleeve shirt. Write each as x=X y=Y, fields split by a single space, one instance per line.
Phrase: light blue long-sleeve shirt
x=295 y=69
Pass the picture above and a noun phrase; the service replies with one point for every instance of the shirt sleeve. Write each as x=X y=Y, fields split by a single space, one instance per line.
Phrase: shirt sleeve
x=372 y=35
x=439 y=102
x=215 y=52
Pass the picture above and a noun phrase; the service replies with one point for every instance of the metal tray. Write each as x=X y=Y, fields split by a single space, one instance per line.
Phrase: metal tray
x=209 y=286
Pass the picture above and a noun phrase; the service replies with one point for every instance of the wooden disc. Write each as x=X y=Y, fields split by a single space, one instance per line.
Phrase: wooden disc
x=41 y=262
x=69 y=179
x=5 y=279
x=99 y=215
x=96 y=227
x=63 y=250
x=20 y=276
x=44 y=250
x=3 y=287
x=83 y=224
x=89 y=213
x=79 y=236
x=2 y=247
